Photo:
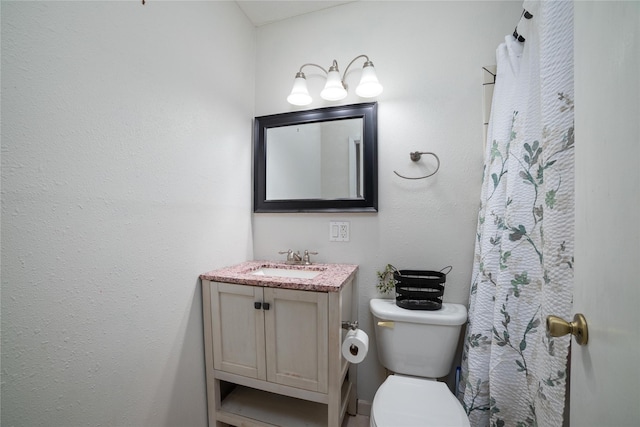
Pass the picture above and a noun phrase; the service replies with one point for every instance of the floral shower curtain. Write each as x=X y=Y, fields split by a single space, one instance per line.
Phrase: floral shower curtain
x=514 y=373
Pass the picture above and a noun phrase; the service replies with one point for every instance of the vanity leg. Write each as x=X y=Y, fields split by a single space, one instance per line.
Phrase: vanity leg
x=335 y=360
x=352 y=405
x=213 y=385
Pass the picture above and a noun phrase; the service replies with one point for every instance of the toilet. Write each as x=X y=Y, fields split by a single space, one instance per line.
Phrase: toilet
x=418 y=346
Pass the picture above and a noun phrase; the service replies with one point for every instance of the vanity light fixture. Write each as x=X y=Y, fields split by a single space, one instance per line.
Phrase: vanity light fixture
x=335 y=88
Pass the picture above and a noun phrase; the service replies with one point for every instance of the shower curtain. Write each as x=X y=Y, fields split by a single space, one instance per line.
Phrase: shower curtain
x=513 y=372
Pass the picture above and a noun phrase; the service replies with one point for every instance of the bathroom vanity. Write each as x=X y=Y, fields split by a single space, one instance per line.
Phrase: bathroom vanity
x=273 y=335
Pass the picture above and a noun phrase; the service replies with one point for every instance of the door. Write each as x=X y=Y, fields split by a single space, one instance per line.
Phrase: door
x=296 y=331
x=237 y=326
x=605 y=373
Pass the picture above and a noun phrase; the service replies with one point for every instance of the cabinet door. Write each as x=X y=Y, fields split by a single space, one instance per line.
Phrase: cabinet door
x=238 y=330
x=296 y=326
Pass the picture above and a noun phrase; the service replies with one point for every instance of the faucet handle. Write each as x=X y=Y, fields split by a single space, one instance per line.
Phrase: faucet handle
x=289 y=254
x=306 y=258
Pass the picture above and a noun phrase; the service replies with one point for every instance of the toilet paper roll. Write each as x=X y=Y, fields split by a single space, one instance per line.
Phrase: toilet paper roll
x=355 y=346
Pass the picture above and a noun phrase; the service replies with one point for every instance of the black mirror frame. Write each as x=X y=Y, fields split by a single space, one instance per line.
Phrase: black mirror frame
x=369 y=203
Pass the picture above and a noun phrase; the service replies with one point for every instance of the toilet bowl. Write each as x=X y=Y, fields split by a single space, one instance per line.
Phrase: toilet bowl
x=416 y=402
x=418 y=346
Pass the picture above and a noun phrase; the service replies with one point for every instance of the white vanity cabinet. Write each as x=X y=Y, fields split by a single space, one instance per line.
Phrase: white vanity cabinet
x=278 y=335
x=273 y=355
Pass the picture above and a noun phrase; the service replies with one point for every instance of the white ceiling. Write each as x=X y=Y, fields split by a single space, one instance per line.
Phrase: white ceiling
x=264 y=12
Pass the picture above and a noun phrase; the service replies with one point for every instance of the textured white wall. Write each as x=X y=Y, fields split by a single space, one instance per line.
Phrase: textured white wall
x=126 y=156
x=428 y=55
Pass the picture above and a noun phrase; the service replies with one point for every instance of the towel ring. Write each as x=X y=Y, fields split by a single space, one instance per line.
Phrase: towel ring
x=416 y=156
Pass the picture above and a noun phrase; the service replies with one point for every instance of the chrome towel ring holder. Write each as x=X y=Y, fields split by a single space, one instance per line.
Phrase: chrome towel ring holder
x=416 y=156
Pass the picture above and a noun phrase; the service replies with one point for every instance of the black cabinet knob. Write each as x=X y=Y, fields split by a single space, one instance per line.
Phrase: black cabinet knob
x=266 y=305
x=257 y=305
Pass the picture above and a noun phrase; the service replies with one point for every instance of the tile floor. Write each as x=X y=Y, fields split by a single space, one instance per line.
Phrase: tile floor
x=357 y=421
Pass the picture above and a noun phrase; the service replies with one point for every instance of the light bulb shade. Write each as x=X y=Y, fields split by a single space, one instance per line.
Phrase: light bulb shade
x=333 y=90
x=369 y=85
x=299 y=94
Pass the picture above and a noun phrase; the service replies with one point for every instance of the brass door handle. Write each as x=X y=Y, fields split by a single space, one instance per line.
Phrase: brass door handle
x=559 y=327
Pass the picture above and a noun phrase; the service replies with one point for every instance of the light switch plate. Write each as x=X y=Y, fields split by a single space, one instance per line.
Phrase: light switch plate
x=339 y=231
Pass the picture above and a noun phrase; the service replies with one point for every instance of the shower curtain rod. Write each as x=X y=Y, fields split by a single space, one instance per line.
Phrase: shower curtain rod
x=517 y=36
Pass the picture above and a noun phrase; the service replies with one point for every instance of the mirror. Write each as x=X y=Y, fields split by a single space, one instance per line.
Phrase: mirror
x=322 y=160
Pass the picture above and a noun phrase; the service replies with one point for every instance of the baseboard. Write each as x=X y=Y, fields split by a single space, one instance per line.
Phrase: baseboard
x=364 y=407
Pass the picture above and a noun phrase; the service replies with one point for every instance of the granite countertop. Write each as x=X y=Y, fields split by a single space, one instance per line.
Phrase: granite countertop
x=331 y=278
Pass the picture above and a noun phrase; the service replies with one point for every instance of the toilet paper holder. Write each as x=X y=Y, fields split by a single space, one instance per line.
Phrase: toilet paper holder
x=355 y=344
x=350 y=325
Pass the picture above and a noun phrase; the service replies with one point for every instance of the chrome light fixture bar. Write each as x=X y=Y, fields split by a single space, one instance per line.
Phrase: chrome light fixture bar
x=335 y=88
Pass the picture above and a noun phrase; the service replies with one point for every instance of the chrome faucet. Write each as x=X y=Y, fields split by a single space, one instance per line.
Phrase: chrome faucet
x=292 y=257
x=295 y=258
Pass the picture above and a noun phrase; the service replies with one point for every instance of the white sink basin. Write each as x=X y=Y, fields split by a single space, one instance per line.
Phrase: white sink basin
x=286 y=272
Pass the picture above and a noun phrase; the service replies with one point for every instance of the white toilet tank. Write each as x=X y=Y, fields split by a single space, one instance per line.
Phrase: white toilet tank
x=420 y=343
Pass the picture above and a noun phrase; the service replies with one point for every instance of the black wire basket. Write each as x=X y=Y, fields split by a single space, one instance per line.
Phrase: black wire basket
x=420 y=289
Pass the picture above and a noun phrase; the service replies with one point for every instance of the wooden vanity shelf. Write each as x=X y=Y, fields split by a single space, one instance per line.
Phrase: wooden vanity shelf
x=279 y=363
x=249 y=406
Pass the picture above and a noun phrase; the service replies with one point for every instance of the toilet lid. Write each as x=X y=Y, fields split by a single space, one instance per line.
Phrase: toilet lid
x=416 y=402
